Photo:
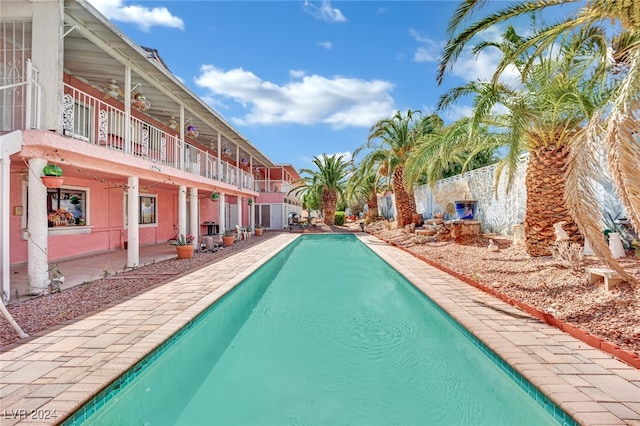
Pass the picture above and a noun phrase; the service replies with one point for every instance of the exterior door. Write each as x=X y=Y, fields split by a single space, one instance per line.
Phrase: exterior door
x=231 y=215
x=263 y=216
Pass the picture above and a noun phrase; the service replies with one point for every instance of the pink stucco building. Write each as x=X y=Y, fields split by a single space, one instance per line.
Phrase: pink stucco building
x=143 y=159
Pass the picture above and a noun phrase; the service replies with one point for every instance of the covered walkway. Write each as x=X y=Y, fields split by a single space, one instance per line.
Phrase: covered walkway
x=88 y=268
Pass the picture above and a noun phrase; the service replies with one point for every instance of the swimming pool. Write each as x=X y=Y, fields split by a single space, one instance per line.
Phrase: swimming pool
x=323 y=333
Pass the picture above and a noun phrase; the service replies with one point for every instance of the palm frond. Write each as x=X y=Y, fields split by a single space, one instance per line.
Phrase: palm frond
x=580 y=195
x=622 y=142
x=458 y=40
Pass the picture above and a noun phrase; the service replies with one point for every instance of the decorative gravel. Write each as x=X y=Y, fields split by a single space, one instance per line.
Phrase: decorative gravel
x=539 y=282
x=44 y=312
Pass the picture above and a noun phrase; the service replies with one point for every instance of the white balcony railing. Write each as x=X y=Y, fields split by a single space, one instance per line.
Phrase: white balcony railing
x=94 y=121
x=273 y=186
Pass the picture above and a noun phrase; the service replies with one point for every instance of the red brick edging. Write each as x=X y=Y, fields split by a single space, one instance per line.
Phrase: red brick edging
x=624 y=355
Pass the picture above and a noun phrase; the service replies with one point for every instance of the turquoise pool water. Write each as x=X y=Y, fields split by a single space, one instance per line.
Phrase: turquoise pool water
x=325 y=333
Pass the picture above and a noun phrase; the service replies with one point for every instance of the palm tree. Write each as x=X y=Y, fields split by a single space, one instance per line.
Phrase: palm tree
x=450 y=151
x=612 y=129
x=542 y=118
x=366 y=183
x=311 y=201
x=327 y=183
x=395 y=139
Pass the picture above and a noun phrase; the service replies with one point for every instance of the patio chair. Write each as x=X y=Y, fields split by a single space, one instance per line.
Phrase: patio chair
x=241 y=233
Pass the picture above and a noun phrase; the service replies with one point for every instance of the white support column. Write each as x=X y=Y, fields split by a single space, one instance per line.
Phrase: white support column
x=133 y=222
x=182 y=210
x=182 y=142
x=10 y=144
x=252 y=215
x=251 y=179
x=5 y=212
x=219 y=168
x=47 y=55
x=128 y=142
x=239 y=201
x=238 y=174
x=193 y=214
x=37 y=229
x=221 y=218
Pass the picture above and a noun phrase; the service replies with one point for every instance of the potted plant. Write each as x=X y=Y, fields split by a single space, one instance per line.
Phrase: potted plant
x=259 y=229
x=192 y=132
x=52 y=176
x=228 y=238
x=215 y=196
x=184 y=246
x=140 y=102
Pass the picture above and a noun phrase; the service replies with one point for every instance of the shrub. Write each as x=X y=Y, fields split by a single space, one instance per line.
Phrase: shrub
x=339 y=218
x=567 y=254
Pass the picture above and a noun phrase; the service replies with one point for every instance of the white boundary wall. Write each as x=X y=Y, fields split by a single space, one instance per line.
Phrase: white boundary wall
x=498 y=210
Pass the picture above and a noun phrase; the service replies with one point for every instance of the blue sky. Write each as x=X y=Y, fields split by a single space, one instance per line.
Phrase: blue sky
x=302 y=78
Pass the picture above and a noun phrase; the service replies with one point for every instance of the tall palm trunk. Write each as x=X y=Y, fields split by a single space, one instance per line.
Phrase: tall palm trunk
x=329 y=202
x=545 y=182
x=405 y=203
x=372 y=203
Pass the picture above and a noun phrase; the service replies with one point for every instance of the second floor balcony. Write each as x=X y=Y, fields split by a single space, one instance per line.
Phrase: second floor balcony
x=90 y=119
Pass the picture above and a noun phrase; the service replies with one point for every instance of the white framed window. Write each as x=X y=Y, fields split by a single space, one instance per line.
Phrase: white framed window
x=147 y=210
x=67 y=206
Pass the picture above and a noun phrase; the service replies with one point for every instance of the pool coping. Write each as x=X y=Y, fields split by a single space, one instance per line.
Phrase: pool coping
x=59 y=371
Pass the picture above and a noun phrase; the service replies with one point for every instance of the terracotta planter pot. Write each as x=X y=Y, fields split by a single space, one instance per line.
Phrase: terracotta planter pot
x=258 y=232
x=228 y=241
x=52 y=181
x=185 y=252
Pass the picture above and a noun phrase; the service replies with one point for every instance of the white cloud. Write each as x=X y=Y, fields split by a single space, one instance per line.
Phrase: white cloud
x=324 y=12
x=483 y=65
x=430 y=51
x=326 y=44
x=307 y=99
x=144 y=17
x=468 y=66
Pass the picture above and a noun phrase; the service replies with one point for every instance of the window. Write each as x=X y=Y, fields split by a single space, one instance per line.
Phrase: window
x=147 y=209
x=66 y=207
